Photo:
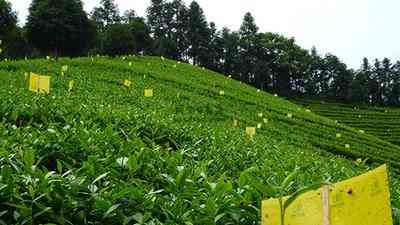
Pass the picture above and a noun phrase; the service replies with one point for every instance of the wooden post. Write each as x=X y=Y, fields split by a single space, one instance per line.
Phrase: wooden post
x=325 y=205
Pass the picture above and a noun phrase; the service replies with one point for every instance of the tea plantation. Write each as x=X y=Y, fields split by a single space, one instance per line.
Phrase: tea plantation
x=381 y=122
x=103 y=153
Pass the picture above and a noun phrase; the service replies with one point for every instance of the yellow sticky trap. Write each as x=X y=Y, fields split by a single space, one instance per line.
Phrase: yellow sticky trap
x=148 y=93
x=259 y=125
x=33 y=82
x=71 y=85
x=363 y=200
x=44 y=84
x=64 y=68
x=39 y=83
x=127 y=83
x=250 y=132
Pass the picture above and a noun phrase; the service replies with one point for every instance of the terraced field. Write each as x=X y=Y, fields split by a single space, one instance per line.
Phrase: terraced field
x=381 y=122
x=104 y=153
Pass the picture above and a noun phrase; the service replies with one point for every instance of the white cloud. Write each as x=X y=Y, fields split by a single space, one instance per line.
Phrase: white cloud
x=351 y=29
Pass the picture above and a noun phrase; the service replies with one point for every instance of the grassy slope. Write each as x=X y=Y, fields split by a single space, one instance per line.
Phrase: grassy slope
x=187 y=163
x=381 y=122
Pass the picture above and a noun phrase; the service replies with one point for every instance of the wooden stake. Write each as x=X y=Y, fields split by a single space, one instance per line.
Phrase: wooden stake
x=325 y=205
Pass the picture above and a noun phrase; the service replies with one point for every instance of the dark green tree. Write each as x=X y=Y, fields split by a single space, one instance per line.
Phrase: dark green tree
x=230 y=59
x=313 y=79
x=248 y=47
x=394 y=95
x=129 y=16
x=60 y=27
x=156 y=18
x=340 y=77
x=140 y=31
x=178 y=28
x=198 y=35
x=288 y=63
x=17 y=46
x=119 y=40
x=8 y=27
x=386 y=80
x=375 y=83
x=160 y=16
x=215 y=49
x=360 y=93
x=106 y=14
x=8 y=19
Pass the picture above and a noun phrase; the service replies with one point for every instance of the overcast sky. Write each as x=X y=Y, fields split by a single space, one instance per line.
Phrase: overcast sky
x=350 y=29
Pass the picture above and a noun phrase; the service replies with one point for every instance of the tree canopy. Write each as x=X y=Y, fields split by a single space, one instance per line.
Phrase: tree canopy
x=60 y=27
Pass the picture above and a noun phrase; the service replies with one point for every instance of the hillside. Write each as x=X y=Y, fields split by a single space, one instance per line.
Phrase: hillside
x=117 y=157
x=382 y=122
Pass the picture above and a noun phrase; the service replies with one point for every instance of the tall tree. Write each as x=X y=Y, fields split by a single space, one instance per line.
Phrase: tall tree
x=198 y=34
x=140 y=31
x=313 y=79
x=230 y=58
x=8 y=19
x=8 y=25
x=360 y=83
x=119 y=40
x=248 y=46
x=129 y=16
x=340 y=78
x=160 y=16
x=375 y=82
x=178 y=30
x=394 y=96
x=155 y=18
x=288 y=62
x=59 y=26
x=386 y=80
x=215 y=49
x=106 y=14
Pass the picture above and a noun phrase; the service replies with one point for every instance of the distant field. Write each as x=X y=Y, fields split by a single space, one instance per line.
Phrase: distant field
x=381 y=122
x=106 y=154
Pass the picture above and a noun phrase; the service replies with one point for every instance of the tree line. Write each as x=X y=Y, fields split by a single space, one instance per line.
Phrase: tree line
x=266 y=60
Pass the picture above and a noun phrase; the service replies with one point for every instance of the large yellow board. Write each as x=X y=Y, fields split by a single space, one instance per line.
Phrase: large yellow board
x=39 y=83
x=363 y=200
